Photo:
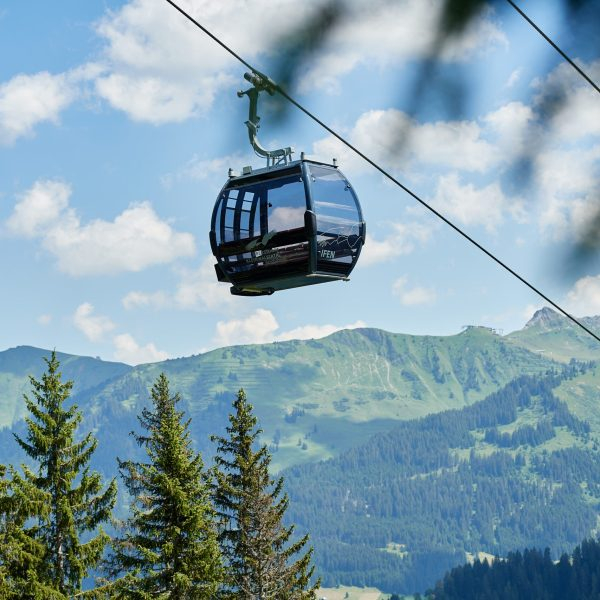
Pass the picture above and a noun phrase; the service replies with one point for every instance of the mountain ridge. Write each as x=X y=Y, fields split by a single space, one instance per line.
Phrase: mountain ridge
x=314 y=398
x=546 y=317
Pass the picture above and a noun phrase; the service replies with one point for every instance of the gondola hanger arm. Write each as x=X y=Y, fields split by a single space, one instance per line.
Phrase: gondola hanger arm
x=262 y=83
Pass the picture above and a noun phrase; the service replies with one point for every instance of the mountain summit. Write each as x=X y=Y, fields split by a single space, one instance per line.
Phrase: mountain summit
x=546 y=318
x=552 y=334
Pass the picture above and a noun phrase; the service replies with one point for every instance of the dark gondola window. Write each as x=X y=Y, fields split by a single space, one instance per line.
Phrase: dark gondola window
x=269 y=216
x=338 y=220
x=286 y=204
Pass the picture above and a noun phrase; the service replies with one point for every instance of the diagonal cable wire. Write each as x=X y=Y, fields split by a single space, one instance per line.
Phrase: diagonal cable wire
x=571 y=62
x=386 y=173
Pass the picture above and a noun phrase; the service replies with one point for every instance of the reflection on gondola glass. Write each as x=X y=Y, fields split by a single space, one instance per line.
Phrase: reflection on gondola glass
x=287 y=204
x=338 y=220
x=254 y=210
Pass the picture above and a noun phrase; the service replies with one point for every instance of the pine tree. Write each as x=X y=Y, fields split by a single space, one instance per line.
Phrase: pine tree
x=169 y=547
x=21 y=557
x=257 y=548
x=75 y=503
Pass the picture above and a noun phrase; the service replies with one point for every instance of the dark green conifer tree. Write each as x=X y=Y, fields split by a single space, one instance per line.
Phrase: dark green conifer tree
x=21 y=557
x=261 y=561
x=61 y=500
x=169 y=545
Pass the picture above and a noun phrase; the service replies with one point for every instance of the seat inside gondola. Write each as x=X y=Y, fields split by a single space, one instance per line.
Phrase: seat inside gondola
x=286 y=226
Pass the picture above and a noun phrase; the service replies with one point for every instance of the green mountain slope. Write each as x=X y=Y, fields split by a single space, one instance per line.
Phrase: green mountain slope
x=582 y=395
x=18 y=363
x=515 y=470
x=315 y=398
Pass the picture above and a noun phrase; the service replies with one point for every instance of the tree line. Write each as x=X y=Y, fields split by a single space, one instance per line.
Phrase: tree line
x=525 y=575
x=192 y=532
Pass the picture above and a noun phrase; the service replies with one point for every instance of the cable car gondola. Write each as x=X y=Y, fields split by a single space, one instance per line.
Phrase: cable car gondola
x=291 y=224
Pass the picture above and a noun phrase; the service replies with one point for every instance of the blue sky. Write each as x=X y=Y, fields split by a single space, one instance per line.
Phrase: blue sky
x=119 y=120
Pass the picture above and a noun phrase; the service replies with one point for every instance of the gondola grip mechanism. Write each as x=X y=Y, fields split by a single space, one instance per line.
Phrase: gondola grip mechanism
x=261 y=83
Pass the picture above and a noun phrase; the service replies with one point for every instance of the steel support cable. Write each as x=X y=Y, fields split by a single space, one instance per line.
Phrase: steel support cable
x=571 y=62
x=386 y=173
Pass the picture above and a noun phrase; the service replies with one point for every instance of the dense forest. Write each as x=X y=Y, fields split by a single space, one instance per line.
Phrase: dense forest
x=401 y=510
x=527 y=575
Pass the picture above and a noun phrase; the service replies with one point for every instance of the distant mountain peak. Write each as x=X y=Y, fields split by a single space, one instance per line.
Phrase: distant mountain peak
x=545 y=318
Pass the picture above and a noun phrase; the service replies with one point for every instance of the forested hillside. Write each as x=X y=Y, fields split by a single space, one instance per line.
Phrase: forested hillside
x=527 y=575
x=515 y=470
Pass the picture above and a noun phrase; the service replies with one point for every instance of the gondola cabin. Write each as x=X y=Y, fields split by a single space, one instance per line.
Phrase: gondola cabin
x=286 y=226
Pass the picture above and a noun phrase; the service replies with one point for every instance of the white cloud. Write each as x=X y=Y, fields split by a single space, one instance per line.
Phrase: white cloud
x=455 y=144
x=160 y=68
x=200 y=288
x=155 y=100
x=514 y=77
x=564 y=154
x=44 y=319
x=156 y=62
x=27 y=100
x=387 y=33
x=566 y=165
x=135 y=240
x=514 y=129
x=469 y=205
x=313 y=332
x=261 y=327
x=141 y=299
x=257 y=328
x=414 y=296
x=402 y=241
x=92 y=326
x=584 y=298
x=127 y=350
x=196 y=289
x=448 y=144
x=568 y=188
x=568 y=172
x=38 y=208
x=579 y=116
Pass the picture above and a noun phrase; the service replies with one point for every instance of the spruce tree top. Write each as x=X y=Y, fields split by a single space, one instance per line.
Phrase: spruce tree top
x=168 y=547
x=77 y=504
x=262 y=561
